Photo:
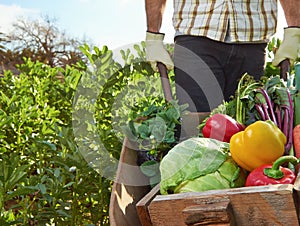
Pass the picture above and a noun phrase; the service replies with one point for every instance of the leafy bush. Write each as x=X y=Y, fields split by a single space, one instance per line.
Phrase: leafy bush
x=45 y=173
x=43 y=177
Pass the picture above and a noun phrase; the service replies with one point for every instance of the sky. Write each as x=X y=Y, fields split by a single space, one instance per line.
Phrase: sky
x=114 y=23
x=106 y=22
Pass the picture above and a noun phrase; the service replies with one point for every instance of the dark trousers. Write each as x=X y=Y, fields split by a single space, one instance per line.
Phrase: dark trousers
x=207 y=72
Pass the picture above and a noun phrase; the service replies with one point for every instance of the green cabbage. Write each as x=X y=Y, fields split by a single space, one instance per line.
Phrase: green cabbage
x=199 y=164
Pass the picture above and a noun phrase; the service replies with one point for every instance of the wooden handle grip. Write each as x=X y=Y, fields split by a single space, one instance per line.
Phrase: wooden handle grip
x=165 y=81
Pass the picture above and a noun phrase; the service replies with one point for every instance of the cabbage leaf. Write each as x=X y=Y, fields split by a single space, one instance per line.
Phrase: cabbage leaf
x=198 y=164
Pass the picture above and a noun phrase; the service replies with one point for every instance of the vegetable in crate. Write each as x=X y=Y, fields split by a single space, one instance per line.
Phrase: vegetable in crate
x=221 y=127
x=296 y=102
x=260 y=143
x=270 y=99
x=155 y=130
x=273 y=173
x=199 y=164
x=296 y=139
x=296 y=95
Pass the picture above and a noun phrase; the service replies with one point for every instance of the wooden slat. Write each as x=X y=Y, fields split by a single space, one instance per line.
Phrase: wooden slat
x=142 y=206
x=217 y=212
x=264 y=205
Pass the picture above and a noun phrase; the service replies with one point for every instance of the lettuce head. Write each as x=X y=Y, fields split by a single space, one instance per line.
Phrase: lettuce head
x=199 y=164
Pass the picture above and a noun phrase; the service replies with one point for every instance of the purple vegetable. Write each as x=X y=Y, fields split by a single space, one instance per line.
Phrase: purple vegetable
x=278 y=117
x=289 y=142
x=260 y=111
x=285 y=122
x=269 y=104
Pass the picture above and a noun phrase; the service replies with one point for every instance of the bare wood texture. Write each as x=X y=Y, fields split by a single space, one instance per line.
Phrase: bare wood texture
x=218 y=212
x=142 y=206
x=165 y=81
x=264 y=205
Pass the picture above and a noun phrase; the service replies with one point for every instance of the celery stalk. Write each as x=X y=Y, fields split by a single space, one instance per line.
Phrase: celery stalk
x=297 y=109
x=297 y=96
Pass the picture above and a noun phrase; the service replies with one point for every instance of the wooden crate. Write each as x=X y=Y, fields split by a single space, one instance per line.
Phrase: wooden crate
x=136 y=204
x=260 y=205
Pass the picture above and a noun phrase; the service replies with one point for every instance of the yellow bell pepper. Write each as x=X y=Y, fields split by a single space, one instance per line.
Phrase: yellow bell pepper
x=260 y=143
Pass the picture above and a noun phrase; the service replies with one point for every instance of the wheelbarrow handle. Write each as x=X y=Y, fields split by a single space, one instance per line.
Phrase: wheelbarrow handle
x=165 y=81
x=285 y=68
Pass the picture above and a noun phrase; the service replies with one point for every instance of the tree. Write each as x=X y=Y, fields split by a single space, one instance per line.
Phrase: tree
x=42 y=41
x=2 y=39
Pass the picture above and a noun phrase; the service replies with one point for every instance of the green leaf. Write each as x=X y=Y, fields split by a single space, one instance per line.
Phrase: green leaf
x=42 y=188
x=128 y=133
x=69 y=184
x=144 y=131
x=150 y=168
x=63 y=213
x=154 y=180
x=20 y=191
x=49 y=144
x=157 y=127
x=191 y=159
x=57 y=172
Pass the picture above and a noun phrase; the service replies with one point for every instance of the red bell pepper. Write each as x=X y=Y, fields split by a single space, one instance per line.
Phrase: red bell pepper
x=273 y=173
x=221 y=127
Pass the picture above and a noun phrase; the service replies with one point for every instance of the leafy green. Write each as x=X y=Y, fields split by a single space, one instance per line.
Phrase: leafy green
x=151 y=169
x=199 y=164
x=155 y=132
x=154 y=129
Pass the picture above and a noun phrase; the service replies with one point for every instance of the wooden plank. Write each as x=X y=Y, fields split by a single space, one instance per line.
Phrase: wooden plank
x=142 y=206
x=264 y=205
x=217 y=212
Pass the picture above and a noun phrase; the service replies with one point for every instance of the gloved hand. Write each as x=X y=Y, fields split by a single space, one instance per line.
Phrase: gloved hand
x=156 y=52
x=289 y=47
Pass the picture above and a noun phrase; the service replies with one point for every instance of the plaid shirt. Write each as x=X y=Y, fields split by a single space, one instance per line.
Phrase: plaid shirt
x=226 y=20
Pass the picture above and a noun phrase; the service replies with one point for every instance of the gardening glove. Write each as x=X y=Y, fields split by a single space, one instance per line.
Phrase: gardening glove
x=156 y=51
x=289 y=47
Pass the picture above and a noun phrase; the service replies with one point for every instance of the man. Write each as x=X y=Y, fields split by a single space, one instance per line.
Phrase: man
x=216 y=42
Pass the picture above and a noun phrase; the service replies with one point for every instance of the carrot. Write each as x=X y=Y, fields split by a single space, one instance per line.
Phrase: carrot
x=296 y=139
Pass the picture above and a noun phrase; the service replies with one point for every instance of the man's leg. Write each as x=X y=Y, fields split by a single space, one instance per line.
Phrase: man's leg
x=199 y=75
x=207 y=72
x=245 y=58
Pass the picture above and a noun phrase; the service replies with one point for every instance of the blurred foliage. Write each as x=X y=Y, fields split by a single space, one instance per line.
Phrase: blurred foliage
x=44 y=178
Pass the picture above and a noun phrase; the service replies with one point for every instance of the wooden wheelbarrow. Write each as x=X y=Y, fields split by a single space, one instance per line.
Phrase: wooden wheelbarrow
x=134 y=203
